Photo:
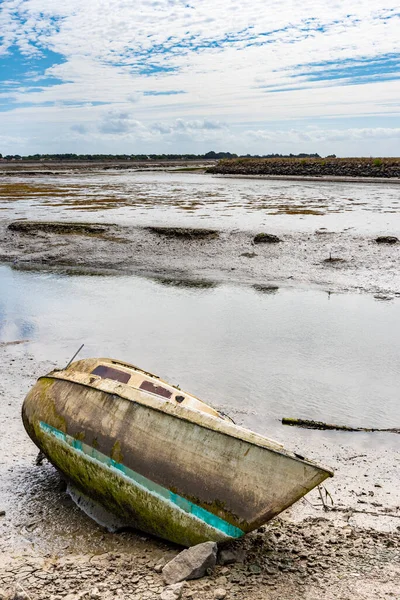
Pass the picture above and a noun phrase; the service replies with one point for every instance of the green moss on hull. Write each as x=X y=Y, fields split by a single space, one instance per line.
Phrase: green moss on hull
x=116 y=453
x=133 y=505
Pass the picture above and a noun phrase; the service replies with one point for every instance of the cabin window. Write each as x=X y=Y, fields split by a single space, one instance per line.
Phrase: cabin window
x=155 y=389
x=110 y=373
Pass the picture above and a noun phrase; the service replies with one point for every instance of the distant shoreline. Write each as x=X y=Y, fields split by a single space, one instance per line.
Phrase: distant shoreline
x=313 y=170
x=22 y=167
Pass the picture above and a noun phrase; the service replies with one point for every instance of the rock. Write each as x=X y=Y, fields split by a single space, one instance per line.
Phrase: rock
x=387 y=239
x=219 y=594
x=173 y=592
x=228 y=557
x=266 y=238
x=2 y=513
x=191 y=563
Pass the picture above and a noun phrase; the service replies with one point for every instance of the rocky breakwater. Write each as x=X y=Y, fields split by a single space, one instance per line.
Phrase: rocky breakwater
x=386 y=168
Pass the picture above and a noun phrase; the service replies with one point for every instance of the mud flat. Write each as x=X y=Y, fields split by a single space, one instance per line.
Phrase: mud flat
x=336 y=261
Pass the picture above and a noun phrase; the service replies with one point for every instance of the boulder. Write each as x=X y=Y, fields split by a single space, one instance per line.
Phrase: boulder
x=172 y=592
x=219 y=594
x=191 y=563
x=266 y=238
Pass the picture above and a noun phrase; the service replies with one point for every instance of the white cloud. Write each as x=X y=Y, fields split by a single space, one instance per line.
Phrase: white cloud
x=98 y=129
x=315 y=135
x=228 y=58
x=123 y=124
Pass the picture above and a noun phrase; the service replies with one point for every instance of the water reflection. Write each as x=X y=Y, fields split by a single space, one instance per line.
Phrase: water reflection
x=266 y=289
x=258 y=354
x=196 y=284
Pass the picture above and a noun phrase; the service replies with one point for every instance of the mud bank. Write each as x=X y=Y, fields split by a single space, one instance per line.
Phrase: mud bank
x=335 y=261
x=382 y=168
x=50 y=550
x=32 y=168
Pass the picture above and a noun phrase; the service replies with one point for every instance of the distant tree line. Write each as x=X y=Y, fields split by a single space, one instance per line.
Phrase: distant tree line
x=145 y=157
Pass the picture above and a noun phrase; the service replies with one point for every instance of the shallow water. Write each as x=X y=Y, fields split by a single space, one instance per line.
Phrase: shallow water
x=168 y=198
x=258 y=355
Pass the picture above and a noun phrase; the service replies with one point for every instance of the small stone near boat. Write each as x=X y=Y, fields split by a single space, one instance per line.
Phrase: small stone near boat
x=192 y=563
x=173 y=592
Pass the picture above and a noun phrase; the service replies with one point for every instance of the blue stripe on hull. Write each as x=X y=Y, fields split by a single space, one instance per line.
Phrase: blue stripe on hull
x=149 y=486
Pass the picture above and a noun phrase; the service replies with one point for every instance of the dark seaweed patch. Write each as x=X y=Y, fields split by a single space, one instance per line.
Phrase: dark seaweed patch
x=184 y=233
x=32 y=227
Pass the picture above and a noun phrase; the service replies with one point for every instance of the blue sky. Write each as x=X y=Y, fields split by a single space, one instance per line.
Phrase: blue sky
x=253 y=76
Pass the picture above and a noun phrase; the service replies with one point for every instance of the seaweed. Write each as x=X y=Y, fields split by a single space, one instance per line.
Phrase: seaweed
x=184 y=233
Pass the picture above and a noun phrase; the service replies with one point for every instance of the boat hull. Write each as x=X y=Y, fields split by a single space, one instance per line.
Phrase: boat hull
x=167 y=470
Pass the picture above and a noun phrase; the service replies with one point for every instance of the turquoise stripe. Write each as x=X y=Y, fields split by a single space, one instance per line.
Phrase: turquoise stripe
x=150 y=486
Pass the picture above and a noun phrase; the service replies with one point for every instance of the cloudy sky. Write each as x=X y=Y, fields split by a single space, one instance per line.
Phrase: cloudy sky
x=257 y=76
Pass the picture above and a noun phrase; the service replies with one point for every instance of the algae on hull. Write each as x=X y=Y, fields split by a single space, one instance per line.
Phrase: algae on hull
x=133 y=505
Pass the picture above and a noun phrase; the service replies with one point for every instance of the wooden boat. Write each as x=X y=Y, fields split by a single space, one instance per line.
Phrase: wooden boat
x=148 y=455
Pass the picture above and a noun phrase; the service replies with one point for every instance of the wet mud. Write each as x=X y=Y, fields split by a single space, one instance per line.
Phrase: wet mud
x=341 y=261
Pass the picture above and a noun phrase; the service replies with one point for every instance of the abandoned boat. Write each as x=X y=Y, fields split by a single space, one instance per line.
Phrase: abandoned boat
x=139 y=452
